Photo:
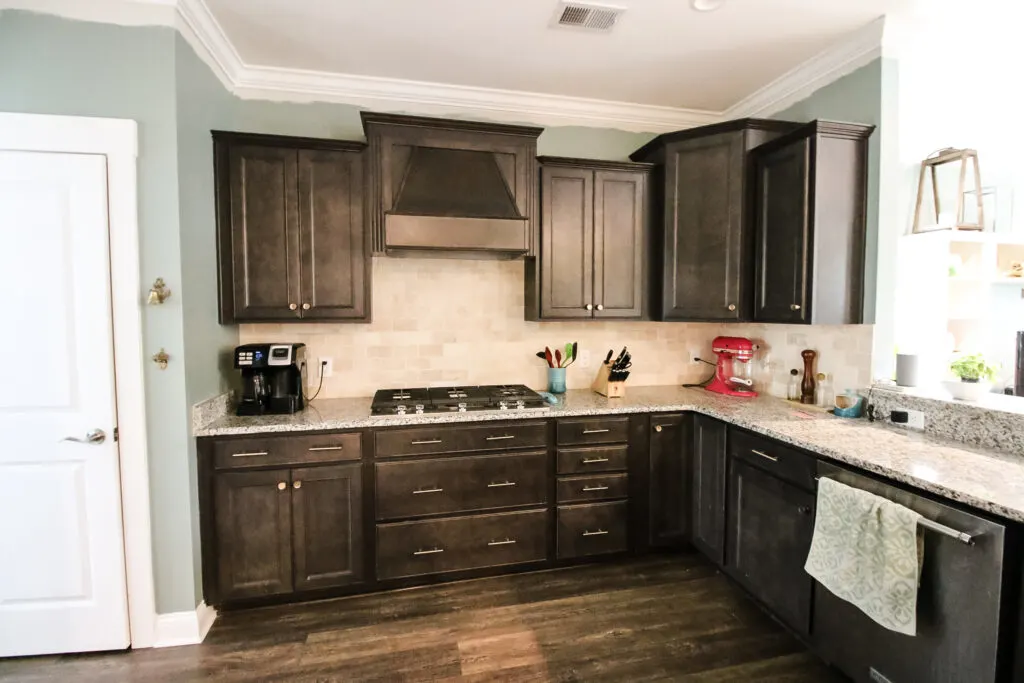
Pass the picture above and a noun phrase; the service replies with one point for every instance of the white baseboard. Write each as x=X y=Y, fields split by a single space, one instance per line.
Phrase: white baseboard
x=184 y=628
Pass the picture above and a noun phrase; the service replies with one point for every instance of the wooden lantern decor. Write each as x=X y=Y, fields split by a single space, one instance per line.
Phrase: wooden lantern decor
x=949 y=156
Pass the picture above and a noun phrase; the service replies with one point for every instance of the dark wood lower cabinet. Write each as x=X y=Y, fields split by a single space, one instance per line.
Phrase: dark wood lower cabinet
x=710 y=463
x=670 y=471
x=327 y=526
x=770 y=523
x=254 y=530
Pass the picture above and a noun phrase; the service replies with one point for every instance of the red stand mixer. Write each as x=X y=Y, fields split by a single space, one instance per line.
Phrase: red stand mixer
x=733 y=376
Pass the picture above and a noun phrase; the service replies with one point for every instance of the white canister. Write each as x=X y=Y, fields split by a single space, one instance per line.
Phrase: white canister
x=908 y=369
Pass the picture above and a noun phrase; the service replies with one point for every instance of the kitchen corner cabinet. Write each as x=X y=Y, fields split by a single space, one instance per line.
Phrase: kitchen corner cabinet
x=670 y=474
x=704 y=230
x=709 y=487
x=811 y=206
x=291 y=234
x=593 y=232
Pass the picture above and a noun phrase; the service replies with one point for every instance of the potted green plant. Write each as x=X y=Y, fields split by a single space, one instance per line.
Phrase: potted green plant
x=975 y=377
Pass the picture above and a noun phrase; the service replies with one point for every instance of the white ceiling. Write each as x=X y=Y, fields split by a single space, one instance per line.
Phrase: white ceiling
x=661 y=52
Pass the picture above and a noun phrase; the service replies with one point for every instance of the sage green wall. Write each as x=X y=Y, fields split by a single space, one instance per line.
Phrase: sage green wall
x=856 y=98
x=50 y=65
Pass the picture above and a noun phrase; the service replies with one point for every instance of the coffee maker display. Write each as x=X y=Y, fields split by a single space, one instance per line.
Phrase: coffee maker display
x=273 y=377
x=733 y=376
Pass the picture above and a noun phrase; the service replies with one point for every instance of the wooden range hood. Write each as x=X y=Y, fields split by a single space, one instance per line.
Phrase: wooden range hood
x=457 y=189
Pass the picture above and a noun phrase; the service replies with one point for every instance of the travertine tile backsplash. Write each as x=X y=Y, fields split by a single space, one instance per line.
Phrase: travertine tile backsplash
x=439 y=321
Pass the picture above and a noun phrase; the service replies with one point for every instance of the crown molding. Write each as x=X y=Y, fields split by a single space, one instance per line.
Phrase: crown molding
x=199 y=27
x=841 y=59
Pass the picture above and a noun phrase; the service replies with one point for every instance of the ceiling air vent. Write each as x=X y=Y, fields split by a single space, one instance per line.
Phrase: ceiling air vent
x=586 y=16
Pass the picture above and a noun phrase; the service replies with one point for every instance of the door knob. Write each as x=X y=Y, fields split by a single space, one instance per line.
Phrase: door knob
x=794 y=307
x=95 y=436
x=292 y=307
x=589 y=307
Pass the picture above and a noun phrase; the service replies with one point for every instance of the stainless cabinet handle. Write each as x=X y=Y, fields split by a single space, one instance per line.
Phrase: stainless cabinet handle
x=764 y=455
x=292 y=307
x=500 y=484
x=305 y=307
x=297 y=484
x=600 y=307
x=326 y=448
x=589 y=307
x=594 y=488
x=507 y=541
x=732 y=307
x=424 y=442
x=428 y=491
x=281 y=486
x=794 y=307
x=506 y=437
x=596 y=431
x=432 y=551
x=94 y=436
x=590 y=461
x=248 y=455
x=599 y=532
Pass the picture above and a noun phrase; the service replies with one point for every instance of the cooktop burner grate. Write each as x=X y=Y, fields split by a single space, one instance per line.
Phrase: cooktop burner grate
x=418 y=401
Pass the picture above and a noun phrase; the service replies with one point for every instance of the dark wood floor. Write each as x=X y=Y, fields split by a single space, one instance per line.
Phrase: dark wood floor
x=669 y=618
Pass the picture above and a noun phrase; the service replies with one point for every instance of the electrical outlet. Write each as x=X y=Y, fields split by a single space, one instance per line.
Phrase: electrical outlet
x=584 y=359
x=328 y=368
x=915 y=420
x=694 y=356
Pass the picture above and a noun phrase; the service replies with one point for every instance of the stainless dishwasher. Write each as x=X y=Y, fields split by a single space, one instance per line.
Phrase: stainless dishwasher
x=958 y=607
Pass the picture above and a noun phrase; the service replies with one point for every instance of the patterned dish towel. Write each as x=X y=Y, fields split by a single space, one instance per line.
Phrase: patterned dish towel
x=867 y=551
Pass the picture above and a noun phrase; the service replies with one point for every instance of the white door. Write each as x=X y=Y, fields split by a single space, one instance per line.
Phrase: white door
x=62 y=572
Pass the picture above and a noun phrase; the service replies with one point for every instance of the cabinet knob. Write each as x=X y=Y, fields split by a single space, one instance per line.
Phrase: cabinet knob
x=732 y=307
x=281 y=486
x=657 y=428
x=600 y=307
x=794 y=307
x=589 y=307
x=305 y=307
x=292 y=307
x=297 y=485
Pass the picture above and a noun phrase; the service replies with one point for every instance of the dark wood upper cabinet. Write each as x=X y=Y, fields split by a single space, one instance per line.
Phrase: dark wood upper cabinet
x=704 y=231
x=592 y=241
x=671 y=440
x=291 y=234
x=253 y=526
x=327 y=523
x=810 y=217
x=709 y=487
x=769 y=534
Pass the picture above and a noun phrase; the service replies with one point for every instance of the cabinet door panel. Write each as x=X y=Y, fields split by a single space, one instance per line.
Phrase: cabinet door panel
x=670 y=472
x=332 y=235
x=704 y=229
x=253 y=526
x=567 y=252
x=769 y=535
x=783 y=235
x=264 y=233
x=327 y=515
x=619 y=218
x=709 y=481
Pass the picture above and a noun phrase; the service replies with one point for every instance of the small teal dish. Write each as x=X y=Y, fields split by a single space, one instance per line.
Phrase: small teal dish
x=855 y=410
x=556 y=380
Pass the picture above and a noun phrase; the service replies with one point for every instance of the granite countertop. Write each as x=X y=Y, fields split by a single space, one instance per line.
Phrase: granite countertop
x=985 y=479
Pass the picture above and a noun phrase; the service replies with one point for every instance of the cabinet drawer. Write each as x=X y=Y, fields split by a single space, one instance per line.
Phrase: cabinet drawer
x=478 y=482
x=286 y=450
x=773 y=457
x=594 y=430
x=452 y=544
x=587 y=460
x=593 y=529
x=592 y=487
x=444 y=439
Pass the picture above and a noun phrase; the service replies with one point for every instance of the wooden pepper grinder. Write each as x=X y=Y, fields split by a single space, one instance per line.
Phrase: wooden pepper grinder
x=807 y=385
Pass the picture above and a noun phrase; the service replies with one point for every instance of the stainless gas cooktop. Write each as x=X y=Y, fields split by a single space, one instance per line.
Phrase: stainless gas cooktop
x=420 y=401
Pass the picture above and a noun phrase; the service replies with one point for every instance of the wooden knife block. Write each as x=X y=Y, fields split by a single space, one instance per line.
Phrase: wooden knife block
x=606 y=388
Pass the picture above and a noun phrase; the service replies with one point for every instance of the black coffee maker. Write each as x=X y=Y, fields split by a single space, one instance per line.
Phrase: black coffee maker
x=273 y=377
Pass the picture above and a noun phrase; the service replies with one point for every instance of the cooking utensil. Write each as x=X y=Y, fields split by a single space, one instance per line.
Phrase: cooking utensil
x=548 y=357
x=575 y=350
x=619 y=358
x=540 y=354
x=558 y=358
x=568 y=353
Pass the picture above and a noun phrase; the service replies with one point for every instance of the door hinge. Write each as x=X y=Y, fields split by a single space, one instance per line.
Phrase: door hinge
x=115 y=434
